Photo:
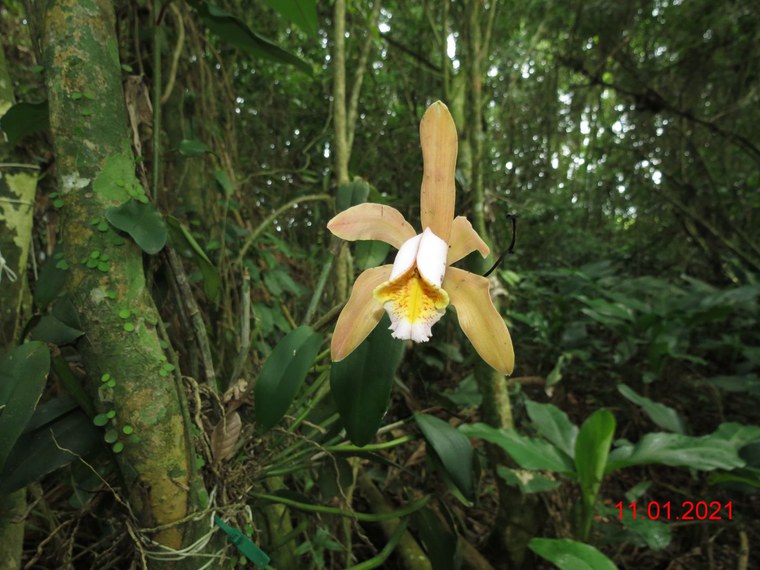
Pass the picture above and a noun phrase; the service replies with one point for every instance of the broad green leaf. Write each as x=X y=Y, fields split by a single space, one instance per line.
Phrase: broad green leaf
x=51 y=281
x=440 y=540
x=50 y=329
x=526 y=481
x=719 y=450
x=351 y=194
x=529 y=453
x=569 y=554
x=554 y=425
x=23 y=373
x=749 y=477
x=223 y=179
x=361 y=383
x=370 y=253
x=592 y=447
x=142 y=222
x=303 y=13
x=591 y=451
x=662 y=415
x=283 y=374
x=453 y=449
x=193 y=147
x=52 y=445
x=24 y=119
x=233 y=30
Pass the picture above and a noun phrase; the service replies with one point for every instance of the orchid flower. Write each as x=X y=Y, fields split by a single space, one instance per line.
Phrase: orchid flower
x=421 y=283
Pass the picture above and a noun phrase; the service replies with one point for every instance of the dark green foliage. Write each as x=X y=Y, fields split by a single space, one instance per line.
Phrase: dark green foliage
x=361 y=384
x=24 y=119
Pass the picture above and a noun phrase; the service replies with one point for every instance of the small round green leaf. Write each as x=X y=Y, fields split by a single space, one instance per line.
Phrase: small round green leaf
x=100 y=420
x=111 y=435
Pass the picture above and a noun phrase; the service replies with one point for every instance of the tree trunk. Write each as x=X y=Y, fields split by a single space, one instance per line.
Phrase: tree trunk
x=95 y=167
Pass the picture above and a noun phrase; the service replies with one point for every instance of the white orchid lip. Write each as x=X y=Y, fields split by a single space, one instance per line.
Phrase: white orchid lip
x=412 y=296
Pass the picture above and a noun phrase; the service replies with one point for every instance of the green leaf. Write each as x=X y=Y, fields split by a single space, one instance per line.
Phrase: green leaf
x=50 y=283
x=236 y=32
x=52 y=330
x=192 y=147
x=361 y=383
x=24 y=119
x=719 y=450
x=303 y=13
x=370 y=253
x=568 y=554
x=662 y=415
x=23 y=373
x=52 y=445
x=527 y=481
x=283 y=374
x=351 y=194
x=554 y=425
x=453 y=449
x=224 y=182
x=529 y=453
x=591 y=451
x=440 y=540
x=142 y=222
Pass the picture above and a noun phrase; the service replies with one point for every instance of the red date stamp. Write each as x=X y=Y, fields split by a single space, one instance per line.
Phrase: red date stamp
x=683 y=511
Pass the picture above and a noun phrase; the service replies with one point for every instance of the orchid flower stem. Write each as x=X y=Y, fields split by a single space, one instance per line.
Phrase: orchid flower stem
x=318 y=290
x=511 y=247
x=366 y=517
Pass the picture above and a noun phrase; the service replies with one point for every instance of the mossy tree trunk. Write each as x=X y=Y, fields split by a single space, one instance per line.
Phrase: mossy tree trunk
x=17 y=189
x=95 y=169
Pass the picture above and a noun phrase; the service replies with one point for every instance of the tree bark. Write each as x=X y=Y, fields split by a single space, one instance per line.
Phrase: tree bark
x=95 y=167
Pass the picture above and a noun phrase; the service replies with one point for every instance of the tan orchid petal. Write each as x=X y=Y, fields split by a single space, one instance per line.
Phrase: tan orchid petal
x=372 y=221
x=438 y=136
x=464 y=240
x=479 y=320
x=360 y=315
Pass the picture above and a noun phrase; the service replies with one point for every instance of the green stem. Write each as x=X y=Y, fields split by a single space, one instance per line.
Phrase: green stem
x=318 y=290
x=251 y=239
x=398 y=513
x=156 y=170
